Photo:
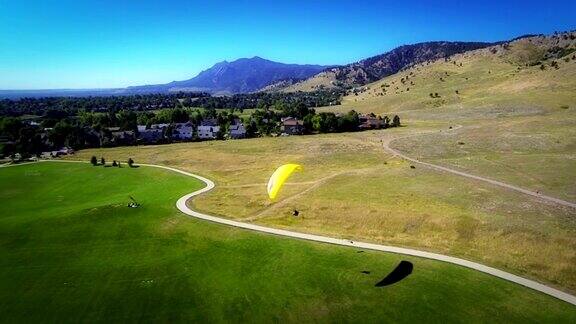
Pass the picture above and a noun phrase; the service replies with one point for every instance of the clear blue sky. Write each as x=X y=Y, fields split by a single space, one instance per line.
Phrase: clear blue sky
x=95 y=44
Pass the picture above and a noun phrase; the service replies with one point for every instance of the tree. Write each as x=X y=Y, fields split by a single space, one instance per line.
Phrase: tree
x=348 y=122
x=396 y=121
x=127 y=120
x=94 y=160
x=325 y=122
x=385 y=122
x=130 y=162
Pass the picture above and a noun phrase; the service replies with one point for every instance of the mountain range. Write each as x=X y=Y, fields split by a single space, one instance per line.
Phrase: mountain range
x=247 y=75
x=241 y=76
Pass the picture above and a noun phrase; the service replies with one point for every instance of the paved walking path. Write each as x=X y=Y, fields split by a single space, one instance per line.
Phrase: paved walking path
x=183 y=207
x=386 y=145
x=181 y=204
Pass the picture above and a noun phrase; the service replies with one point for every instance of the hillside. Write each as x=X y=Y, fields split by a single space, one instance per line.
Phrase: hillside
x=240 y=76
x=536 y=71
x=516 y=101
x=377 y=67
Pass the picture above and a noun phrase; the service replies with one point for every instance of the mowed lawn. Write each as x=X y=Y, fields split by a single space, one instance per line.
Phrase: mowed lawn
x=71 y=250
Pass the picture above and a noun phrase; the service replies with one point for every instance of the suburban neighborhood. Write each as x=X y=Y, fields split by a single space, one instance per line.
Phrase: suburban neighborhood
x=32 y=137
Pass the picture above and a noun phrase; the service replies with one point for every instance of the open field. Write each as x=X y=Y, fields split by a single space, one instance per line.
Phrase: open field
x=68 y=257
x=517 y=126
x=519 y=121
x=351 y=187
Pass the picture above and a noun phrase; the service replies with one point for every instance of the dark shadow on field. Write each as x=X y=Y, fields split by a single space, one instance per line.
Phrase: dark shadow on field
x=400 y=272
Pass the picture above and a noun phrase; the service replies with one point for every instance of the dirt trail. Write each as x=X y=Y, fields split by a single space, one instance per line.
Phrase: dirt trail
x=386 y=145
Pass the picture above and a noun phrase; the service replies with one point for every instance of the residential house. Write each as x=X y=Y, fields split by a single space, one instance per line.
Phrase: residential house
x=237 y=130
x=159 y=126
x=60 y=152
x=292 y=126
x=65 y=151
x=183 y=131
x=208 y=129
x=369 y=122
x=123 y=138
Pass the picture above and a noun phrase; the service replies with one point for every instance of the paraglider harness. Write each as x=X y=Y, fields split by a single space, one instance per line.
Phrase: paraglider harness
x=134 y=203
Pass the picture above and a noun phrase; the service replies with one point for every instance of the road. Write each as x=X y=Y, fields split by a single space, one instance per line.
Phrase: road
x=386 y=146
x=182 y=205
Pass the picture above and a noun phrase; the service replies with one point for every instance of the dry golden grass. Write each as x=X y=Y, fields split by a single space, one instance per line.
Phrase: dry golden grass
x=351 y=187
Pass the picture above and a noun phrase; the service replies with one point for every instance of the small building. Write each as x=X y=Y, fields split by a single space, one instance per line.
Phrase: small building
x=237 y=130
x=46 y=155
x=369 y=122
x=65 y=151
x=60 y=152
x=159 y=126
x=183 y=131
x=123 y=138
x=208 y=129
x=292 y=126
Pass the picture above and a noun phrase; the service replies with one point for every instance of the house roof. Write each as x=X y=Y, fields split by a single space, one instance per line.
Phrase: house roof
x=159 y=125
x=236 y=127
x=291 y=121
x=209 y=122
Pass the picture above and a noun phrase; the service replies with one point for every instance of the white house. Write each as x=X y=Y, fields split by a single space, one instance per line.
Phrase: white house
x=159 y=126
x=183 y=131
x=208 y=132
x=208 y=129
x=237 y=130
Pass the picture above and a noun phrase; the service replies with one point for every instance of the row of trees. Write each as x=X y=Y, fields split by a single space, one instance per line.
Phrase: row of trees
x=59 y=107
x=268 y=100
x=69 y=106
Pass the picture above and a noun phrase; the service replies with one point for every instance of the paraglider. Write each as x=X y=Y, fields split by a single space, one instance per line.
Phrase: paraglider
x=279 y=177
x=134 y=203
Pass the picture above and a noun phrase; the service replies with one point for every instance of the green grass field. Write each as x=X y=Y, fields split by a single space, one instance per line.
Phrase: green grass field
x=351 y=188
x=72 y=251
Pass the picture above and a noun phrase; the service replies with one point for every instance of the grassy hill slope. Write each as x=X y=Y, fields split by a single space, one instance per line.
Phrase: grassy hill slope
x=518 y=126
x=352 y=188
x=67 y=258
x=519 y=118
x=507 y=74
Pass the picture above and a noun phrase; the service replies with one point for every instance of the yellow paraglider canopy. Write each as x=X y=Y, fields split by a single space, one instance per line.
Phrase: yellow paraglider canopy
x=279 y=177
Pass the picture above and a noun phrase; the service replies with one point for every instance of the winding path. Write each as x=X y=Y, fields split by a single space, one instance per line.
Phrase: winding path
x=181 y=204
x=386 y=146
